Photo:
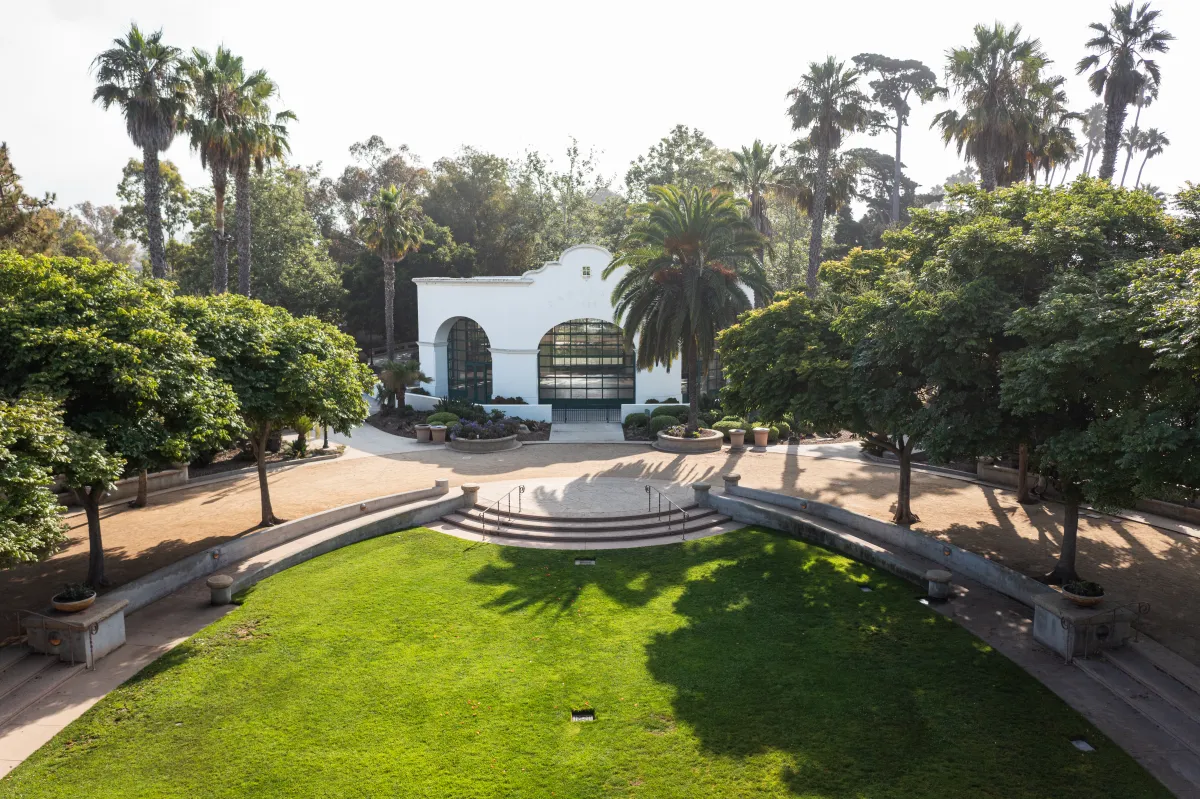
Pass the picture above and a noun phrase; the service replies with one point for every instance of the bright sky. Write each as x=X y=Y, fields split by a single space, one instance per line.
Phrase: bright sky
x=506 y=77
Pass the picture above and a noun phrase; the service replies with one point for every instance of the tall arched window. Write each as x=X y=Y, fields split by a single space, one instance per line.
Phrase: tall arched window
x=469 y=362
x=584 y=364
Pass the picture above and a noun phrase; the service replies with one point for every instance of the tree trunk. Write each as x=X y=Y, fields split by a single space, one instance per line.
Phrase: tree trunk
x=152 y=183
x=1064 y=570
x=89 y=497
x=904 y=514
x=1137 y=118
x=1140 y=168
x=987 y=171
x=259 y=443
x=389 y=307
x=242 y=191
x=817 y=215
x=1050 y=177
x=693 y=385
x=325 y=443
x=896 y=176
x=1087 y=160
x=1114 y=121
x=143 y=489
x=220 y=243
x=1023 y=474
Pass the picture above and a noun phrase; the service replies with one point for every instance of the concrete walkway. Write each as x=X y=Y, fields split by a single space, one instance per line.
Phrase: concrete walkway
x=586 y=433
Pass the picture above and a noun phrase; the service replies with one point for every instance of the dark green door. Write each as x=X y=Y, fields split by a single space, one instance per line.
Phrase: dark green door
x=469 y=362
x=584 y=364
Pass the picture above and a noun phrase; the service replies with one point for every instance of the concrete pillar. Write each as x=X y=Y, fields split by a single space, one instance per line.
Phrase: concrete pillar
x=470 y=494
x=939 y=583
x=220 y=588
x=442 y=485
x=702 y=490
x=731 y=481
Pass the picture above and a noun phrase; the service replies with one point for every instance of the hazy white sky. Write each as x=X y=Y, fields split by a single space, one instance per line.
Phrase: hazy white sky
x=510 y=76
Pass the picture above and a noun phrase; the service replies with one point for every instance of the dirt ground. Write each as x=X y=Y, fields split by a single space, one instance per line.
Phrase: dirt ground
x=1133 y=560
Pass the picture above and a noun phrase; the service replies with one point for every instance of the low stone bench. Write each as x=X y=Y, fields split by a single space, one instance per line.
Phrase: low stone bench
x=83 y=637
x=1072 y=631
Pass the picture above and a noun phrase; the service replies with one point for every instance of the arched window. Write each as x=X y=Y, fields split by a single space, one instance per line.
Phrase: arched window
x=469 y=362
x=584 y=364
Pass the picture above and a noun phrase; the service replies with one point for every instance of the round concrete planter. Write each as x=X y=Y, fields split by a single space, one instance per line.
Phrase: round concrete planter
x=73 y=607
x=761 y=434
x=1083 y=601
x=481 y=445
x=709 y=441
x=422 y=433
x=737 y=439
x=437 y=434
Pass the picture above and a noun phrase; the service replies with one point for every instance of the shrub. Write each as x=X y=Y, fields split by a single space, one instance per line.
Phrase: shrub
x=732 y=418
x=871 y=448
x=1084 y=588
x=658 y=423
x=651 y=402
x=772 y=434
x=442 y=417
x=636 y=420
x=785 y=430
x=668 y=411
x=418 y=390
x=725 y=425
x=498 y=400
x=494 y=428
x=680 y=431
x=462 y=409
x=670 y=401
x=74 y=592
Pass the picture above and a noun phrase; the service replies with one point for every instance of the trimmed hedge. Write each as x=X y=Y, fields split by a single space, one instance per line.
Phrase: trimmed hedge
x=442 y=417
x=725 y=425
x=636 y=420
x=785 y=430
x=659 y=423
x=675 y=411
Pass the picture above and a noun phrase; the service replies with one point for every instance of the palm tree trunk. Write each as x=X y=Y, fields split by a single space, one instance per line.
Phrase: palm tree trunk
x=89 y=497
x=987 y=171
x=1137 y=117
x=220 y=243
x=817 y=215
x=896 y=176
x=1064 y=571
x=389 y=307
x=1114 y=122
x=1140 y=168
x=693 y=385
x=258 y=443
x=242 y=192
x=152 y=180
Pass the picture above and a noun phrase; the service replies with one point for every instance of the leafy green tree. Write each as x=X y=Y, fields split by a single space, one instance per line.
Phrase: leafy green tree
x=32 y=443
x=689 y=255
x=175 y=202
x=280 y=367
x=685 y=158
x=1122 y=68
x=99 y=224
x=830 y=105
x=896 y=80
x=135 y=390
x=22 y=222
x=143 y=77
x=993 y=78
x=392 y=229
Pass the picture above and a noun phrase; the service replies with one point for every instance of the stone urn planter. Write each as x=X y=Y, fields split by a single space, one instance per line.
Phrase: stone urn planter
x=422 y=433
x=1083 y=600
x=760 y=436
x=737 y=439
x=72 y=602
x=707 y=441
x=481 y=445
x=437 y=433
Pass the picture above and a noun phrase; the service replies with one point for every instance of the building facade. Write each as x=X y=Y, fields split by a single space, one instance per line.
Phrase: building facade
x=547 y=337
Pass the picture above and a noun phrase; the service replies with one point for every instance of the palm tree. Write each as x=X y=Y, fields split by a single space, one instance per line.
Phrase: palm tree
x=1122 y=45
x=1151 y=143
x=259 y=141
x=797 y=177
x=755 y=172
x=144 y=78
x=690 y=257
x=1142 y=100
x=1093 y=130
x=1049 y=138
x=391 y=228
x=993 y=77
x=220 y=90
x=829 y=103
x=395 y=377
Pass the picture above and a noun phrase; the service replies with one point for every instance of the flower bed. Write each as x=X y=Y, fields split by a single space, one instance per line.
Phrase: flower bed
x=703 y=440
x=493 y=435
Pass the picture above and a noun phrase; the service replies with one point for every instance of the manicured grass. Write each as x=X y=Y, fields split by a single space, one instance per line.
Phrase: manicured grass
x=418 y=665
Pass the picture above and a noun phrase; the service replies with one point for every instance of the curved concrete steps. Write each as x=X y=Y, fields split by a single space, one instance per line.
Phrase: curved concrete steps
x=581 y=532
x=26 y=677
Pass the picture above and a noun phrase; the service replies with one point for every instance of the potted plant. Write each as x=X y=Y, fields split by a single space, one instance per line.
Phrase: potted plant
x=73 y=598
x=737 y=439
x=1084 y=593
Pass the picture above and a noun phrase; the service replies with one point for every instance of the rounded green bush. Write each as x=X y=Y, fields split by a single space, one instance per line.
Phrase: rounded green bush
x=442 y=417
x=772 y=434
x=732 y=418
x=668 y=410
x=725 y=425
x=636 y=420
x=785 y=430
x=658 y=423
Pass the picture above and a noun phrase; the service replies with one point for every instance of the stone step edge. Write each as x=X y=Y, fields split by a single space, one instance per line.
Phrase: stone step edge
x=590 y=545
x=1156 y=679
x=22 y=671
x=1164 y=715
x=1175 y=665
x=585 y=518
x=12 y=655
x=605 y=535
x=569 y=523
x=24 y=696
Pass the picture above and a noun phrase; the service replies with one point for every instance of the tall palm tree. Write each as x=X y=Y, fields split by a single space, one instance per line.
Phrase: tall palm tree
x=220 y=88
x=797 y=177
x=755 y=173
x=391 y=228
x=1122 y=68
x=1048 y=136
x=143 y=77
x=260 y=140
x=689 y=254
x=1151 y=143
x=1143 y=99
x=993 y=78
x=1093 y=131
x=829 y=103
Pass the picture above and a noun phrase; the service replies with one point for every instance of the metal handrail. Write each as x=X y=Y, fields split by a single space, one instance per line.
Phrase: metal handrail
x=670 y=503
x=507 y=497
x=1139 y=608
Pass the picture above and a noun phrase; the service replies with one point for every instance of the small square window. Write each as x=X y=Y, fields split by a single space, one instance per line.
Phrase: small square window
x=587 y=271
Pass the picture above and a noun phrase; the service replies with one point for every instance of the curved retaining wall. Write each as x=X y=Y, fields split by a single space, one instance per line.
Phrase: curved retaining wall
x=482 y=445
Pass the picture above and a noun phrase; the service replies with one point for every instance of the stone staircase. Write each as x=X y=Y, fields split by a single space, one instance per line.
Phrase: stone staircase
x=27 y=677
x=524 y=529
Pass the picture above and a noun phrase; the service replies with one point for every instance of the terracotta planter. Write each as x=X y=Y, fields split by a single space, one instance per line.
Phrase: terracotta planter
x=422 y=433
x=73 y=607
x=760 y=436
x=737 y=439
x=1083 y=601
x=437 y=433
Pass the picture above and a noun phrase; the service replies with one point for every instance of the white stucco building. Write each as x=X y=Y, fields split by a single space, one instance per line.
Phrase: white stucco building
x=546 y=336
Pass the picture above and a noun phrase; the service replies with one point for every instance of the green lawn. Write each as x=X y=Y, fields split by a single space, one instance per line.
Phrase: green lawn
x=419 y=665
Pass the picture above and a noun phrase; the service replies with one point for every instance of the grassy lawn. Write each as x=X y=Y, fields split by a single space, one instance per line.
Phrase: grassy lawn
x=419 y=665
